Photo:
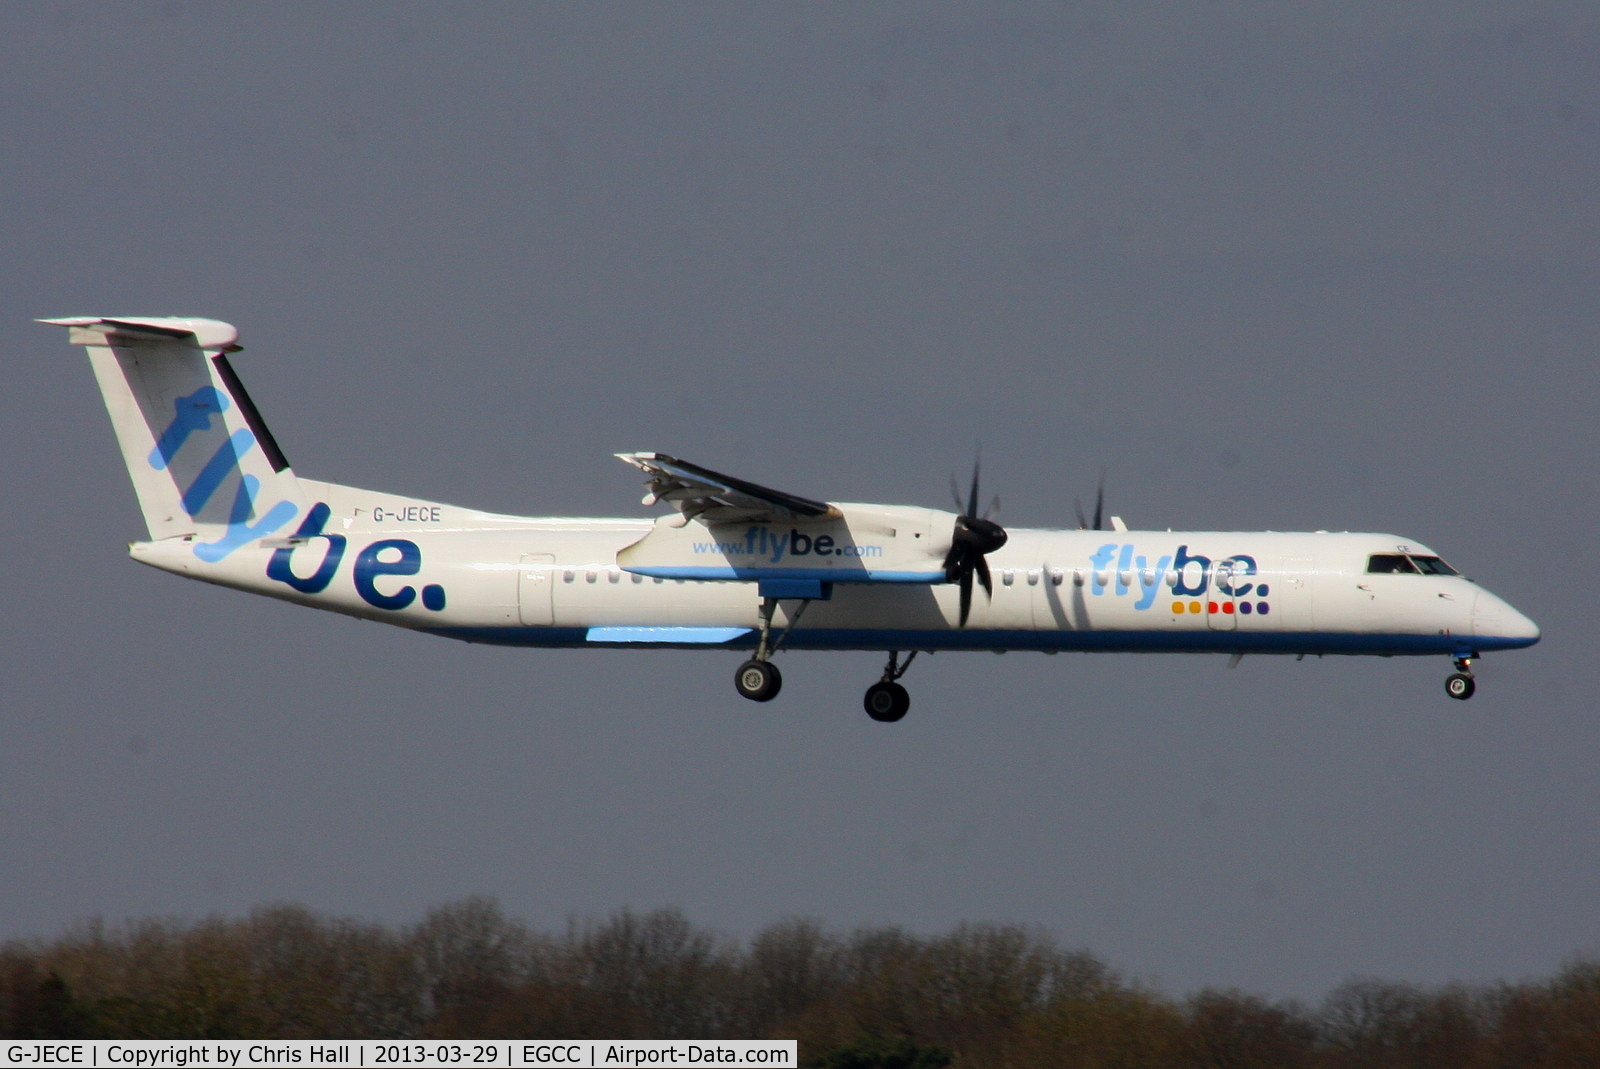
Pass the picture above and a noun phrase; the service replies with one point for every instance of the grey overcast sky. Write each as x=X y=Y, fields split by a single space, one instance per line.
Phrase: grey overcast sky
x=1269 y=266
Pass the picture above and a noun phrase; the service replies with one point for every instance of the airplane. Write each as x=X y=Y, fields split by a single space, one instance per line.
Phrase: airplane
x=738 y=566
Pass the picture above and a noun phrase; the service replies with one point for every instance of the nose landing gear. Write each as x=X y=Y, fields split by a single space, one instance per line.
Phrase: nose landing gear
x=886 y=701
x=1460 y=685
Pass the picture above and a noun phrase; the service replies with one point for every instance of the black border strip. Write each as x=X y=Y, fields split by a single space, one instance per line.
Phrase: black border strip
x=802 y=506
x=252 y=417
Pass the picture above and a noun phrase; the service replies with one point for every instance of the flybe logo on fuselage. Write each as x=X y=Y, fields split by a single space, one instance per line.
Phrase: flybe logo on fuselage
x=1197 y=583
x=773 y=546
x=387 y=556
x=199 y=481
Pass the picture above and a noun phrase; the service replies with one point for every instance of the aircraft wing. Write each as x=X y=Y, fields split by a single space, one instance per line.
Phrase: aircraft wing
x=700 y=492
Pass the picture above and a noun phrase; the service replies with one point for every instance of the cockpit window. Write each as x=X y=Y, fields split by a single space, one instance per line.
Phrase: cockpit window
x=1401 y=564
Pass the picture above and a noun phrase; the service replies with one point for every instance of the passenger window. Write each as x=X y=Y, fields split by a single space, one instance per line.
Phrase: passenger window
x=1390 y=564
x=1433 y=566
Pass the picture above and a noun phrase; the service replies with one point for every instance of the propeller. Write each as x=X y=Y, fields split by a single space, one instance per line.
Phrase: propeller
x=1099 y=508
x=974 y=537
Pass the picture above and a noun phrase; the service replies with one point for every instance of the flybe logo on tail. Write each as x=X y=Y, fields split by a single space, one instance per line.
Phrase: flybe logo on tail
x=1193 y=579
x=194 y=413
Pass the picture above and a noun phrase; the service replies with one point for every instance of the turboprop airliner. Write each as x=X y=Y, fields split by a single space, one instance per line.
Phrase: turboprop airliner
x=739 y=567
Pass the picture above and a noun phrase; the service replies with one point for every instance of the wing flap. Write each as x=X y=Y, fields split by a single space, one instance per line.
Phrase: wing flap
x=702 y=493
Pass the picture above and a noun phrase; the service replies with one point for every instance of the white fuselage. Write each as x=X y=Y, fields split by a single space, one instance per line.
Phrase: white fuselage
x=736 y=565
x=557 y=582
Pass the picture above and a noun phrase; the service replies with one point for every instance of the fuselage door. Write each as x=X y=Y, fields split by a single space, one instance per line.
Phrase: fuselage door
x=1289 y=597
x=535 y=580
x=1221 y=605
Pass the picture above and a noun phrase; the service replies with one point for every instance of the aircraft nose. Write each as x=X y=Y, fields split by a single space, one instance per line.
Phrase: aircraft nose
x=1502 y=626
x=1521 y=628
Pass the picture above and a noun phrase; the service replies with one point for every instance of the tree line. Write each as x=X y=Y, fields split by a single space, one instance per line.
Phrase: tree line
x=981 y=995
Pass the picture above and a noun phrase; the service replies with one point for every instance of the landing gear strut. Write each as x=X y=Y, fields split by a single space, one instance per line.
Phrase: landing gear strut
x=1460 y=685
x=886 y=700
x=758 y=678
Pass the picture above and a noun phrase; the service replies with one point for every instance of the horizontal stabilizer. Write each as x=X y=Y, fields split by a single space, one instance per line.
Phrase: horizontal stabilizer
x=211 y=334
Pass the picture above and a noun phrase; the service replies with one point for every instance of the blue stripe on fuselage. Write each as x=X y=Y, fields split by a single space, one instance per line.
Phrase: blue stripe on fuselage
x=823 y=575
x=972 y=639
x=676 y=636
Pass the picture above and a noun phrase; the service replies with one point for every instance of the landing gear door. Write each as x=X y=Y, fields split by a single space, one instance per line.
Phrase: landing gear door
x=535 y=582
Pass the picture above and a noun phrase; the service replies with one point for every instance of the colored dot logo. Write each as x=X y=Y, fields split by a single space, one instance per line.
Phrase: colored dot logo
x=1260 y=608
x=1240 y=606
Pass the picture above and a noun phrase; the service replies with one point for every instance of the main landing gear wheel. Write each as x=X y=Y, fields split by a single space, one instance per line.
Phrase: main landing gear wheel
x=886 y=702
x=759 y=681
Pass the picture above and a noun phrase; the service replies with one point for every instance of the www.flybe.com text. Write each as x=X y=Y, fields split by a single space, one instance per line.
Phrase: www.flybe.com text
x=773 y=546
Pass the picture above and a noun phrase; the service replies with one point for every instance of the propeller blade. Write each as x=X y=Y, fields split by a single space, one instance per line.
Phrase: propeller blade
x=973 y=537
x=1100 y=503
x=981 y=536
x=956 y=558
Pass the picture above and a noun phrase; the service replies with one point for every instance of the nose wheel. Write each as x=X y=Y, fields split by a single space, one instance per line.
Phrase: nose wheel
x=1460 y=685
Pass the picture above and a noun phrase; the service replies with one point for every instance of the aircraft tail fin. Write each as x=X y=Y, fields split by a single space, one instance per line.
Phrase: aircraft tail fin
x=203 y=463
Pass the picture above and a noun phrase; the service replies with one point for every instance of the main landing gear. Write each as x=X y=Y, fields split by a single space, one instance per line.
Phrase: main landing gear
x=758 y=678
x=886 y=700
x=1460 y=685
x=759 y=681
